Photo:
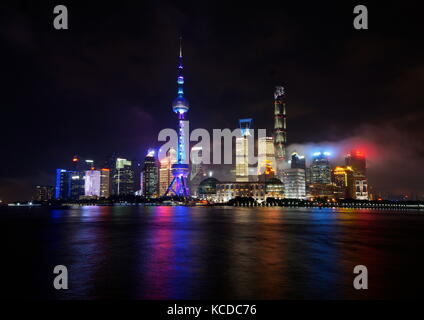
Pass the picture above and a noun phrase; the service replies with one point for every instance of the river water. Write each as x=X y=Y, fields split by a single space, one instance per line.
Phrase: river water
x=211 y=252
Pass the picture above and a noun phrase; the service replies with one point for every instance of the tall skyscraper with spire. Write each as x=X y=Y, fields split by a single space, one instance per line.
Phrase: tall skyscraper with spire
x=280 y=134
x=180 y=169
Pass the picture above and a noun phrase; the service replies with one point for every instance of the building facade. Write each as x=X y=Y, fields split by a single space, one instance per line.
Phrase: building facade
x=361 y=189
x=226 y=191
x=197 y=173
x=242 y=151
x=105 y=183
x=266 y=156
x=320 y=168
x=280 y=133
x=92 y=180
x=150 y=176
x=344 y=180
x=43 y=193
x=207 y=189
x=357 y=161
x=294 y=183
x=62 y=184
x=165 y=171
x=77 y=185
x=123 y=176
x=297 y=161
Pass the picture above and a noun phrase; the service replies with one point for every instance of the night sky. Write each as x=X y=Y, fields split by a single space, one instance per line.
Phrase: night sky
x=106 y=84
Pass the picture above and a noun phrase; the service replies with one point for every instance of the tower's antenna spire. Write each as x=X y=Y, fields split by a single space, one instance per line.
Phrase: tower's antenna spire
x=181 y=46
x=180 y=79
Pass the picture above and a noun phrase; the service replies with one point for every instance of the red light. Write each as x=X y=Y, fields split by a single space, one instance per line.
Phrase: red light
x=357 y=153
x=104 y=169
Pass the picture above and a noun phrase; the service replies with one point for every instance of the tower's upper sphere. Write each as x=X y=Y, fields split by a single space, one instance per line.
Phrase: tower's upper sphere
x=180 y=105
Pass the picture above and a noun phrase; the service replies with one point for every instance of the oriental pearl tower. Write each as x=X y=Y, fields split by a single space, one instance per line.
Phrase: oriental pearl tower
x=180 y=169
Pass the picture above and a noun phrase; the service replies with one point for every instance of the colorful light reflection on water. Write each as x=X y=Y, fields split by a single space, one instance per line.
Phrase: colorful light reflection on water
x=233 y=253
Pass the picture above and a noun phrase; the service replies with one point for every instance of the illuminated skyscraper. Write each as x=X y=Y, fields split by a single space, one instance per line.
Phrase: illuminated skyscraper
x=70 y=183
x=344 y=181
x=150 y=176
x=280 y=134
x=294 y=183
x=92 y=181
x=165 y=171
x=295 y=178
x=266 y=155
x=180 y=169
x=242 y=151
x=123 y=177
x=76 y=185
x=105 y=183
x=357 y=161
x=62 y=184
x=320 y=168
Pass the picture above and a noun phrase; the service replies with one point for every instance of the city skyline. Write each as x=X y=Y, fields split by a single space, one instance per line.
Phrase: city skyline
x=207 y=158
x=98 y=115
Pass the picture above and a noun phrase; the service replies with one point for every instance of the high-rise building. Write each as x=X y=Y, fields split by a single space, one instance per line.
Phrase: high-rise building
x=294 y=183
x=266 y=156
x=77 y=185
x=123 y=177
x=62 y=184
x=320 y=168
x=297 y=161
x=242 y=151
x=357 y=161
x=196 y=159
x=280 y=134
x=296 y=186
x=92 y=182
x=43 y=193
x=197 y=173
x=180 y=170
x=105 y=183
x=344 y=181
x=165 y=171
x=81 y=180
x=150 y=176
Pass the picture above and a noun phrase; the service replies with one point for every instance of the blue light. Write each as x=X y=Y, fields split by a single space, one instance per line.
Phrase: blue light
x=327 y=153
x=58 y=179
x=316 y=154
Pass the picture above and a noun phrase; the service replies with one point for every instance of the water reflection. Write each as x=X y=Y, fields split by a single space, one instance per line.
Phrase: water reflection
x=168 y=254
x=234 y=253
